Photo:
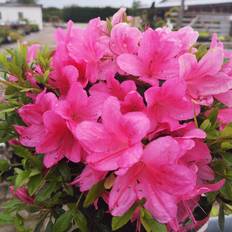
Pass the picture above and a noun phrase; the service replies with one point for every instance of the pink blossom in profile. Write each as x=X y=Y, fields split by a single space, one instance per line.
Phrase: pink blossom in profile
x=32 y=52
x=119 y=16
x=12 y=78
x=224 y=117
x=58 y=141
x=32 y=115
x=204 y=78
x=88 y=178
x=22 y=194
x=226 y=97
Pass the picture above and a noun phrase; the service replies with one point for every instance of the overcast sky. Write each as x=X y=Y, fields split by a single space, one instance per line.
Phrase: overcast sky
x=99 y=3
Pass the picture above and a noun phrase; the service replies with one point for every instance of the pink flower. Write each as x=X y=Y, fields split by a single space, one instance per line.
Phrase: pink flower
x=66 y=73
x=122 y=102
x=12 y=78
x=188 y=131
x=196 y=155
x=157 y=178
x=77 y=106
x=32 y=74
x=47 y=131
x=132 y=102
x=112 y=87
x=168 y=104
x=88 y=178
x=204 y=78
x=32 y=52
x=116 y=142
x=13 y=142
x=58 y=141
x=225 y=117
x=126 y=92
x=90 y=45
x=155 y=59
x=66 y=70
x=32 y=115
x=215 y=43
x=184 y=214
x=186 y=37
x=22 y=194
x=119 y=16
x=226 y=98
x=124 y=39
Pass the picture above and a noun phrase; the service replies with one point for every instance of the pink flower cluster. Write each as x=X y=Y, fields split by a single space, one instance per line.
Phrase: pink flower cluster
x=126 y=104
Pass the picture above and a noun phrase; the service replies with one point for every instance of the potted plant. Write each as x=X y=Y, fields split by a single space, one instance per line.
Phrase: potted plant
x=117 y=129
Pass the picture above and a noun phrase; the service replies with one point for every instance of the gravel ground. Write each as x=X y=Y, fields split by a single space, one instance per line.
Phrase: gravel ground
x=44 y=37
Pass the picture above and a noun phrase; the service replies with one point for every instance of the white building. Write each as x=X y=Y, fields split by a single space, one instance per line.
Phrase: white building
x=11 y=13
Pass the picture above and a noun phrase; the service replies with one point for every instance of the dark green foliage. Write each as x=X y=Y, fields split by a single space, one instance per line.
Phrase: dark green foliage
x=84 y=14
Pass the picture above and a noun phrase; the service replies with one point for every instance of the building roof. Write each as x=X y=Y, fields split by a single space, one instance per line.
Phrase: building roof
x=173 y=3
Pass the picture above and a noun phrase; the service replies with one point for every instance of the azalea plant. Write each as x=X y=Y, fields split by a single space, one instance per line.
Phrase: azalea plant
x=117 y=129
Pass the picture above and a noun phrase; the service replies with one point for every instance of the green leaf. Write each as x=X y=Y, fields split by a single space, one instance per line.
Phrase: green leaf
x=228 y=157
x=201 y=51
x=213 y=116
x=205 y=125
x=63 y=222
x=22 y=178
x=6 y=219
x=149 y=223
x=94 y=193
x=220 y=166
x=19 y=224
x=46 y=191
x=13 y=205
x=49 y=227
x=4 y=165
x=80 y=220
x=64 y=171
x=68 y=189
x=221 y=217
x=34 y=172
x=118 y=222
x=226 y=132
x=26 y=154
x=8 y=110
x=212 y=134
x=226 y=190
x=22 y=152
x=226 y=145
x=109 y=24
x=34 y=184
x=212 y=197
x=39 y=226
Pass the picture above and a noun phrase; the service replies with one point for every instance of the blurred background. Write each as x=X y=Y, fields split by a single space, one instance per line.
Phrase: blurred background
x=36 y=20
